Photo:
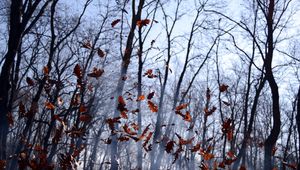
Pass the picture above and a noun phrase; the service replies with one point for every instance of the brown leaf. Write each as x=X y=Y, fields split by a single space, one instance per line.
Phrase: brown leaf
x=196 y=148
x=29 y=81
x=124 y=115
x=169 y=146
x=152 y=106
x=209 y=112
x=223 y=87
x=82 y=109
x=187 y=117
x=115 y=22
x=45 y=70
x=77 y=71
x=182 y=106
x=85 y=117
x=150 y=95
x=100 y=53
x=141 y=23
x=49 y=105
x=96 y=73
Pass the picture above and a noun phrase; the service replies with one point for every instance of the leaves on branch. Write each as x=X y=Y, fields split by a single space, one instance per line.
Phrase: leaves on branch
x=96 y=73
x=77 y=71
x=29 y=81
x=150 y=95
x=143 y=22
x=100 y=53
x=223 y=87
x=152 y=106
x=49 y=105
x=115 y=22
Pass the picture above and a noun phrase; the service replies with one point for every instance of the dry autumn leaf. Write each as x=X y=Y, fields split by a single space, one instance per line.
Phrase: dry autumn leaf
x=150 y=95
x=187 y=117
x=169 y=146
x=85 y=118
x=223 y=87
x=77 y=71
x=143 y=22
x=115 y=22
x=49 y=106
x=45 y=70
x=29 y=81
x=182 y=106
x=140 y=98
x=152 y=106
x=96 y=72
x=82 y=108
x=100 y=53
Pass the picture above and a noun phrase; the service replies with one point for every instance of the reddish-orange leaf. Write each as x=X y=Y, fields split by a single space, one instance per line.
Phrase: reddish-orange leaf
x=209 y=112
x=82 y=109
x=85 y=118
x=188 y=117
x=45 y=70
x=100 y=53
x=196 y=147
x=148 y=137
x=124 y=115
x=182 y=106
x=128 y=131
x=144 y=22
x=223 y=87
x=183 y=141
x=29 y=81
x=49 y=105
x=141 y=97
x=208 y=156
x=121 y=100
x=96 y=73
x=152 y=106
x=169 y=146
x=77 y=71
x=230 y=135
x=115 y=22
x=150 y=95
